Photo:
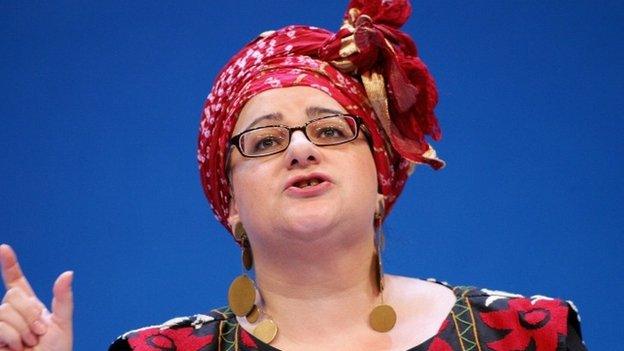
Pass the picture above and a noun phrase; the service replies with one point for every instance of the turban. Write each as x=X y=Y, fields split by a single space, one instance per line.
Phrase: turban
x=369 y=66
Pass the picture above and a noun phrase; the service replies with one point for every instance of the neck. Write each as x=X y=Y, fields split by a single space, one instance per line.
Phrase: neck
x=311 y=287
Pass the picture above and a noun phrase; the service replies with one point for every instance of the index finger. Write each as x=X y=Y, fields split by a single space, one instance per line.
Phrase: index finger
x=11 y=272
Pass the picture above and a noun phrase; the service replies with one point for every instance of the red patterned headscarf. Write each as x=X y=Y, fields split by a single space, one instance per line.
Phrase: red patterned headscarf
x=369 y=66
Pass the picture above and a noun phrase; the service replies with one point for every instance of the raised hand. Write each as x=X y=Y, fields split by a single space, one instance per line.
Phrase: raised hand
x=25 y=322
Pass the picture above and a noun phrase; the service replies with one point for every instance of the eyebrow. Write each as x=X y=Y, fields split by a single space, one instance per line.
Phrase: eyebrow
x=311 y=112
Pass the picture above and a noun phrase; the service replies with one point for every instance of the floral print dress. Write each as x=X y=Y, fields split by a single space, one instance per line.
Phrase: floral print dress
x=480 y=320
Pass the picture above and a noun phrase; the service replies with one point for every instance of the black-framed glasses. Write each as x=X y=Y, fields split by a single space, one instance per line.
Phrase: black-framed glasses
x=323 y=131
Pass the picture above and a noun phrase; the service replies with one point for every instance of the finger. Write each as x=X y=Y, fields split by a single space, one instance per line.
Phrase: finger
x=63 y=301
x=28 y=307
x=10 y=337
x=10 y=316
x=11 y=272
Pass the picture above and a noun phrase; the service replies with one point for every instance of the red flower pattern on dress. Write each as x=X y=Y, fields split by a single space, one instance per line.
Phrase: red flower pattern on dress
x=156 y=339
x=539 y=320
x=439 y=344
x=513 y=323
x=247 y=339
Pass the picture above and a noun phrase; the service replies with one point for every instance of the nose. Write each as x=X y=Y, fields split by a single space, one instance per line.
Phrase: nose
x=301 y=152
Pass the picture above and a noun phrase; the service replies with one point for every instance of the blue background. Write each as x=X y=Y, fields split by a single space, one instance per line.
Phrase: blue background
x=99 y=111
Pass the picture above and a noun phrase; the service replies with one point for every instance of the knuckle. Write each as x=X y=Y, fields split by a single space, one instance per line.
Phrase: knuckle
x=26 y=310
x=6 y=311
x=12 y=294
x=8 y=320
x=9 y=336
x=7 y=295
x=32 y=313
x=18 y=325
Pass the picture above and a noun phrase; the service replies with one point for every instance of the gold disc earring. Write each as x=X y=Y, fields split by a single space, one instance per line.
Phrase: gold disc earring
x=242 y=292
x=266 y=330
x=383 y=317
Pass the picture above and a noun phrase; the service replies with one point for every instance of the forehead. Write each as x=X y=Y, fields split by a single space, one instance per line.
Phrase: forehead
x=290 y=102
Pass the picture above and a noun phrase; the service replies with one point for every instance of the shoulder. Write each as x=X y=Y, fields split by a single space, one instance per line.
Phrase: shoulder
x=510 y=321
x=195 y=332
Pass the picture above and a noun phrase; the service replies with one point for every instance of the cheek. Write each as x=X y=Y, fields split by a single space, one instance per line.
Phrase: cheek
x=251 y=187
x=362 y=172
x=367 y=168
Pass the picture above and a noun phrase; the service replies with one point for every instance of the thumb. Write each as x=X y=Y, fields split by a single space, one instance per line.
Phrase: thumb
x=63 y=301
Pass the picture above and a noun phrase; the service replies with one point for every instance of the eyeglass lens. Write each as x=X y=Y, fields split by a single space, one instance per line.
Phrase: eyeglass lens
x=323 y=131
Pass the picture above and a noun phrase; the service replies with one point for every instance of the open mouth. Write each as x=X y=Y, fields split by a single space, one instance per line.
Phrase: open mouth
x=309 y=182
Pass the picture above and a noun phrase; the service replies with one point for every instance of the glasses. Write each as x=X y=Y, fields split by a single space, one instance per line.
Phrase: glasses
x=324 y=131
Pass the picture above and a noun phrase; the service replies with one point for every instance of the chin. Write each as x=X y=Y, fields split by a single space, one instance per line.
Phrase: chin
x=309 y=223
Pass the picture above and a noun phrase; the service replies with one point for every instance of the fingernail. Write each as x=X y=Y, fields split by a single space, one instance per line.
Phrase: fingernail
x=30 y=339
x=38 y=327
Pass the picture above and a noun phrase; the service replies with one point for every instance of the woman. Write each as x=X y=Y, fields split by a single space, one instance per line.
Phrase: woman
x=306 y=140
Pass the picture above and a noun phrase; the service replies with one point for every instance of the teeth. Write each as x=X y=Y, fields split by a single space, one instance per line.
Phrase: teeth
x=305 y=184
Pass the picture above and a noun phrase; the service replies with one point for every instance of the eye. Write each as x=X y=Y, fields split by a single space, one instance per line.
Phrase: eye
x=265 y=143
x=330 y=132
x=264 y=140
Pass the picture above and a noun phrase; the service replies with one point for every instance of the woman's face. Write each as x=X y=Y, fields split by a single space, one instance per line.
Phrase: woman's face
x=305 y=190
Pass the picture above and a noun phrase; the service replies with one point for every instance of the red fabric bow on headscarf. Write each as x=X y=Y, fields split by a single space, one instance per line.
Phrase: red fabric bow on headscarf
x=397 y=82
x=369 y=66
